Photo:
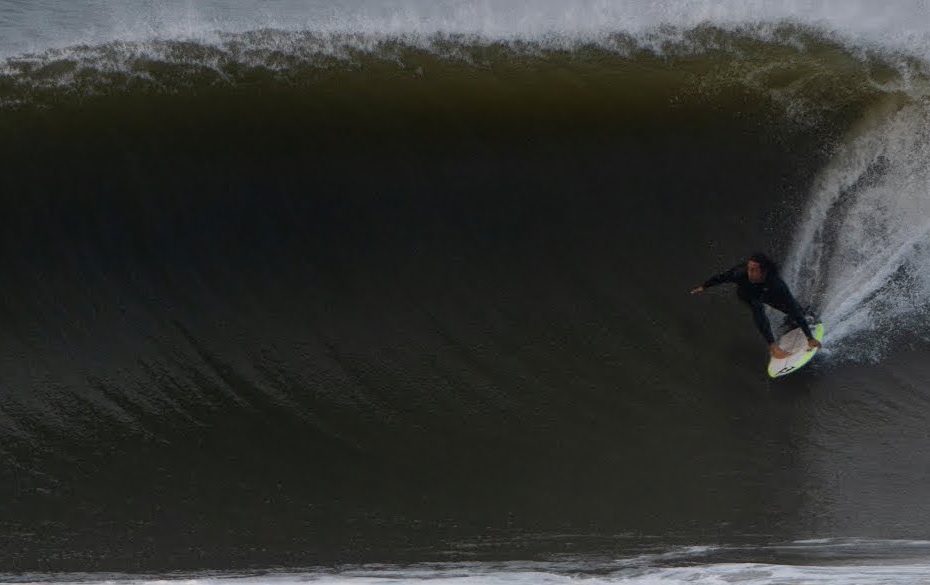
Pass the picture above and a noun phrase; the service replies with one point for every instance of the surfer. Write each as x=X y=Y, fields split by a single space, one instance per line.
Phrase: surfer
x=758 y=284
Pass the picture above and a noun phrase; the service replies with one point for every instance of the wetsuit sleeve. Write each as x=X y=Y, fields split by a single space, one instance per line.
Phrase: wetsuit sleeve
x=761 y=320
x=795 y=311
x=728 y=276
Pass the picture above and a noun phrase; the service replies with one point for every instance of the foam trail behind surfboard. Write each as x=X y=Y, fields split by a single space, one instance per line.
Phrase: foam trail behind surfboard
x=861 y=254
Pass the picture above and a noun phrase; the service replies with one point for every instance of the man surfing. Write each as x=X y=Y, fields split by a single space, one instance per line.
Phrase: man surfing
x=758 y=284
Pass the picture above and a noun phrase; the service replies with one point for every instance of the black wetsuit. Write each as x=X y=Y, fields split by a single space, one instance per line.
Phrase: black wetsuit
x=772 y=292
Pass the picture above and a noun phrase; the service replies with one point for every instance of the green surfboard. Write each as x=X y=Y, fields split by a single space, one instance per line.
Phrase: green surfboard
x=795 y=343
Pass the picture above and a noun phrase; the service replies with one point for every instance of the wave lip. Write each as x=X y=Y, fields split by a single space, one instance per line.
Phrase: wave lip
x=38 y=26
x=805 y=71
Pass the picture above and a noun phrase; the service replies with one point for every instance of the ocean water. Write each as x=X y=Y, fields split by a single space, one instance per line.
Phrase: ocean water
x=395 y=291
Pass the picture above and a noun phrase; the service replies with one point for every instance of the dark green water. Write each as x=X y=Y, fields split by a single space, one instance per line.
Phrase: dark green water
x=273 y=309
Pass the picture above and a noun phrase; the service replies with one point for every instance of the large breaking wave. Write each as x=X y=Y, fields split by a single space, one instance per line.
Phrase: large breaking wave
x=277 y=291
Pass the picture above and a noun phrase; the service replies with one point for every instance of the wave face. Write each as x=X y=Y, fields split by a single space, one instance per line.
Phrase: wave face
x=373 y=283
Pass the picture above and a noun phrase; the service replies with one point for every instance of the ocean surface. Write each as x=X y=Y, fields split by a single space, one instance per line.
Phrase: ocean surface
x=374 y=292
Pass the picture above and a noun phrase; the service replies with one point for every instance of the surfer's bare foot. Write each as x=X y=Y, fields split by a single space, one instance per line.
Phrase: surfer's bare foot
x=812 y=343
x=777 y=352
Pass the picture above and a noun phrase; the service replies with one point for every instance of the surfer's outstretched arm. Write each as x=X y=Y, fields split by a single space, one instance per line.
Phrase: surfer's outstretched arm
x=728 y=276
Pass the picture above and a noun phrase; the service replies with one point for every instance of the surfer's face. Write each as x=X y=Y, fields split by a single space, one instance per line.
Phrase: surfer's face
x=755 y=272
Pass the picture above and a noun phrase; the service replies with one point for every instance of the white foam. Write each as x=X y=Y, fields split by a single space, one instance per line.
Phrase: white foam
x=912 y=573
x=42 y=24
x=862 y=251
x=903 y=562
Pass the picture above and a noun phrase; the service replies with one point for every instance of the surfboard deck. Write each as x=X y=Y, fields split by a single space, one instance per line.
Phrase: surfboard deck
x=795 y=343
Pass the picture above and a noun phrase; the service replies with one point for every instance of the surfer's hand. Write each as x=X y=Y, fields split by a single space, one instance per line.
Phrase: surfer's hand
x=777 y=352
x=812 y=344
x=697 y=290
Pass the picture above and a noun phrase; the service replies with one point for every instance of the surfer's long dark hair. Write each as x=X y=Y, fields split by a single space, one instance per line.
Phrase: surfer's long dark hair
x=768 y=265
